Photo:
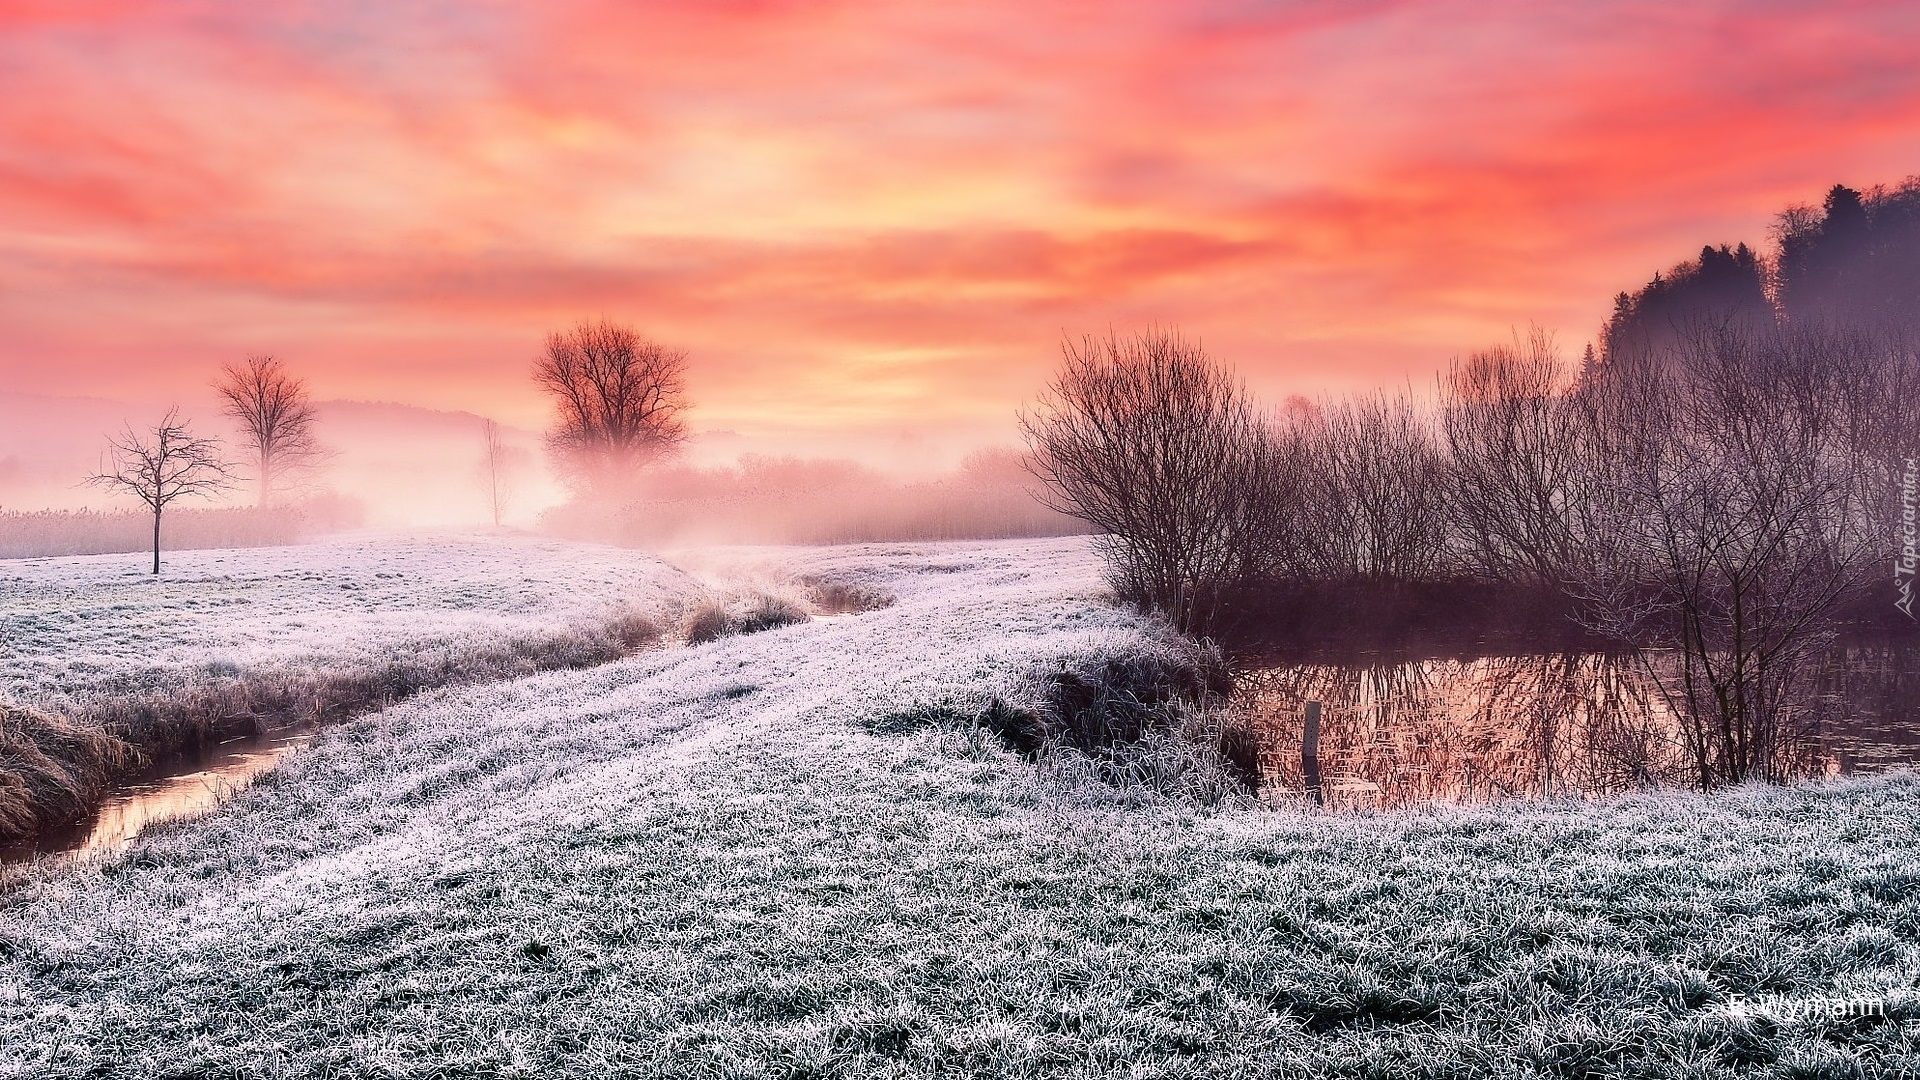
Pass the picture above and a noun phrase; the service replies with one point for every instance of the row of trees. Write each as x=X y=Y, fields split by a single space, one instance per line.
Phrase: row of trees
x=1715 y=503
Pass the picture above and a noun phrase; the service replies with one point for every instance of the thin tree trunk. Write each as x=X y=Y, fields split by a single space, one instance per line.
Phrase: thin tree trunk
x=156 y=541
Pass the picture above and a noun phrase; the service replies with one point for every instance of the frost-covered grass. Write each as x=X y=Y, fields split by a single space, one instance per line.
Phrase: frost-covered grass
x=786 y=854
x=104 y=668
x=80 y=626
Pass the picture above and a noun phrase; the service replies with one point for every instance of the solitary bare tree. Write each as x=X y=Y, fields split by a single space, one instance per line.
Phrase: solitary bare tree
x=500 y=465
x=167 y=464
x=621 y=398
x=276 y=419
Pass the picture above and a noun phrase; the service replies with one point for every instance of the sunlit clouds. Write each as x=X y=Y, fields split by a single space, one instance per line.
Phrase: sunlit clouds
x=856 y=216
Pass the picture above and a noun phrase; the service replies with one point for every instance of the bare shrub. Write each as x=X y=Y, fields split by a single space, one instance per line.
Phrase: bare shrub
x=747 y=611
x=768 y=611
x=835 y=597
x=1378 y=485
x=706 y=621
x=1161 y=450
x=1145 y=723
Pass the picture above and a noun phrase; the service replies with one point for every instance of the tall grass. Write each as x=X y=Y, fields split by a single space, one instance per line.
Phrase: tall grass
x=1143 y=724
x=46 y=533
x=744 y=611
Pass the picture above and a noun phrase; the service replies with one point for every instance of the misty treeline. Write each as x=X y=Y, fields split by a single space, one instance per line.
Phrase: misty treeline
x=1853 y=260
x=767 y=500
x=621 y=403
x=1721 y=505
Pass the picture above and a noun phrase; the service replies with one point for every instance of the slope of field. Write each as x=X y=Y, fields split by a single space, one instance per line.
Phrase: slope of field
x=78 y=626
x=770 y=856
x=105 y=669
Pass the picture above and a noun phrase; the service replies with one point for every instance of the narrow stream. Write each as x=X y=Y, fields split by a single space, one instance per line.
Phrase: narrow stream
x=190 y=787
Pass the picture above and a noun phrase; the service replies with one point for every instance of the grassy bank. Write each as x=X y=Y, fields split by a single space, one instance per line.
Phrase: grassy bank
x=735 y=860
x=107 y=671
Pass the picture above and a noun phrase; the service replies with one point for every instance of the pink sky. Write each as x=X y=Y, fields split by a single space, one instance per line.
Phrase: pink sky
x=861 y=216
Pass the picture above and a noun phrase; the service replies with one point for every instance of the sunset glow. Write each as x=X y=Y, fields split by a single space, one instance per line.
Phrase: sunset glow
x=860 y=217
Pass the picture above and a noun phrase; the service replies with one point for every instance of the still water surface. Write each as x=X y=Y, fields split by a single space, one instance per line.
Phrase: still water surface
x=1397 y=732
x=189 y=787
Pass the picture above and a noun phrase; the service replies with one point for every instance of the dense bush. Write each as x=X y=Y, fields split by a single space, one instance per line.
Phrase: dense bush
x=1142 y=723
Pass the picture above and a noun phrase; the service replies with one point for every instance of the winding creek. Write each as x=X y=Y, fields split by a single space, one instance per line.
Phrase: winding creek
x=1396 y=731
x=189 y=787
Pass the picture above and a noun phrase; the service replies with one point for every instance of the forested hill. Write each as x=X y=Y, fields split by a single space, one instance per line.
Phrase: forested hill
x=1854 y=259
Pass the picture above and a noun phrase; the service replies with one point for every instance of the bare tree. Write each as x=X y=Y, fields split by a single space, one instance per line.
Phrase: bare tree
x=1375 y=494
x=276 y=419
x=499 y=468
x=1511 y=440
x=621 y=402
x=167 y=464
x=1161 y=449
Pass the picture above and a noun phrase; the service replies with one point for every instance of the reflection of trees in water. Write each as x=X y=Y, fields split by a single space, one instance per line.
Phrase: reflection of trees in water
x=1551 y=724
x=1867 y=702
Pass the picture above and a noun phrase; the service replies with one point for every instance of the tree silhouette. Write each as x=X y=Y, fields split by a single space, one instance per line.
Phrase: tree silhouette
x=163 y=465
x=621 y=398
x=275 y=417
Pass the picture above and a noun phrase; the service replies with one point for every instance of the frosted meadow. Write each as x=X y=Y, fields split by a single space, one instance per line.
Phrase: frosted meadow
x=817 y=850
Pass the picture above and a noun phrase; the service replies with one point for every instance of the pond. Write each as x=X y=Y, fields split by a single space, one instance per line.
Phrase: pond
x=1399 y=731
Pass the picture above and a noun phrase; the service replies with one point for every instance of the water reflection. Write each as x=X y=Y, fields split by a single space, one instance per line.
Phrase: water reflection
x=191 y=787
x=1396 y=732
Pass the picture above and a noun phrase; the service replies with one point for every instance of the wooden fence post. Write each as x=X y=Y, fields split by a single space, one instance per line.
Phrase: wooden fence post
x=1310 y=752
